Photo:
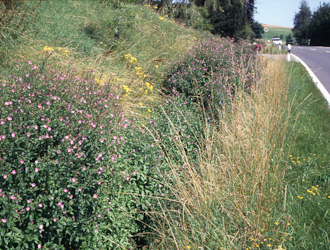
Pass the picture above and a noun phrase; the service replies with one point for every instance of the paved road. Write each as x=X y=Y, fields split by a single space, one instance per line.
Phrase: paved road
x=318 y=59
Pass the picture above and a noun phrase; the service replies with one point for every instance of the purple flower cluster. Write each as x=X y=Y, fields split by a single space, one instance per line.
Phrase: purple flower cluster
x=213 y=70
x=65 y=156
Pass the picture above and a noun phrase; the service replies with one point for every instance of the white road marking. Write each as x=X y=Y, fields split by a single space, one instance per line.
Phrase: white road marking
x=313 y=49
x=317 y=82
x=327 y=52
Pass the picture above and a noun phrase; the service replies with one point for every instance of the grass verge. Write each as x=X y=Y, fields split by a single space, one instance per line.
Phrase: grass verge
x=308 y=177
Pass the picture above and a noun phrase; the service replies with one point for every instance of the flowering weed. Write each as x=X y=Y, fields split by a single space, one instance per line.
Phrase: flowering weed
x=67 y=166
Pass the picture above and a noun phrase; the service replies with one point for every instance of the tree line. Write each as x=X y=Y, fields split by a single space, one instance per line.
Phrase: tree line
x=228 y=18
x=312 y=28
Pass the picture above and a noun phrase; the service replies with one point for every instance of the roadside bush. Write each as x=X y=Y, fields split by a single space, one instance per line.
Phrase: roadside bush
x=213 y=69
x=70 y=178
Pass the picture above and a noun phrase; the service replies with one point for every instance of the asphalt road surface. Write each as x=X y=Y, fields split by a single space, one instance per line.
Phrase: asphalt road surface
x=318 y=59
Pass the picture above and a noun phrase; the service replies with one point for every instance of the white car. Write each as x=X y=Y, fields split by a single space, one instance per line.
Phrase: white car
x=277 y=41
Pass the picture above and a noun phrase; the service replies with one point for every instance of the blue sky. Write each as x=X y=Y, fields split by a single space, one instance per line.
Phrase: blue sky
x=281 y=12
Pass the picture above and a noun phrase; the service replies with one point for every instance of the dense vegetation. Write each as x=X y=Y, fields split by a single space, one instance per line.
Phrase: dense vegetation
x=312 y=28
x=122 y=129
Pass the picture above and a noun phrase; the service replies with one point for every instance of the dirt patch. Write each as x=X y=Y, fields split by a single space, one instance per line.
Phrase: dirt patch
x=275 y=26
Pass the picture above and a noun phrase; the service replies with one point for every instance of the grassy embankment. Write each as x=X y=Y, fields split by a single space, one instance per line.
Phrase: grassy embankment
x=120 y=54
x=241 y=189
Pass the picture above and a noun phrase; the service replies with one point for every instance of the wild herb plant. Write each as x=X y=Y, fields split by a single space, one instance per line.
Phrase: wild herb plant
x=213 y=71
x=74 y=170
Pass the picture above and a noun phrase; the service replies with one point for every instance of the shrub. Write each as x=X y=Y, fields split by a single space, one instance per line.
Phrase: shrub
x=70 y=178
x=213 y=70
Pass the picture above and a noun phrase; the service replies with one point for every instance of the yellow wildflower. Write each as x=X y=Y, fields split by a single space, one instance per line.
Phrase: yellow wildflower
x=97 y=81
x=188 y=247
x=156 y=65
x=195 y=38
x=310 y=191
x=127 y=89
x=133 y=60
x=276 y=223
x=161 y=18
x=46 y=49
x=149 y=110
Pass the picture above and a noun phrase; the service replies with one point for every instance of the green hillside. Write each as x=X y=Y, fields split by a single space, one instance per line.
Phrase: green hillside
x=277 y=32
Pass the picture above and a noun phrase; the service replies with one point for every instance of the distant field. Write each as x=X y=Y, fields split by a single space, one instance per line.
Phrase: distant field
x=276 y=31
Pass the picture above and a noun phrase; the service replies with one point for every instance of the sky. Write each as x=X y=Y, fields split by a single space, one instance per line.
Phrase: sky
x=281 y=12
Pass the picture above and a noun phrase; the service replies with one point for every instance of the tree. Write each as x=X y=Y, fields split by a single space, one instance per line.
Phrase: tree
x=319 y=27
x=249 y=10
x=289 y=39
x=233 y=18
x=301 y=23
x=230 y=20
x=257 y=29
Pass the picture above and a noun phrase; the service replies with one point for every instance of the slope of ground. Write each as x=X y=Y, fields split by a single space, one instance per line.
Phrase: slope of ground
x=276 y=31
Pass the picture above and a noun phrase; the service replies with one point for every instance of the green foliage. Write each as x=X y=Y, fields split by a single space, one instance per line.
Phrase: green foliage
x=119 y=3
x=319 y=27
x=257 y=29
x=301 y=22
x=196 y=17
x=212 y=72
x=225 y=18
x=289 y=39
x=10 y=5
x=230 y=20
x=73 y=175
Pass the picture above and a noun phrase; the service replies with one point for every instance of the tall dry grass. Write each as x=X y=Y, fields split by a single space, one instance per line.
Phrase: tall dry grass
x=229 y=198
